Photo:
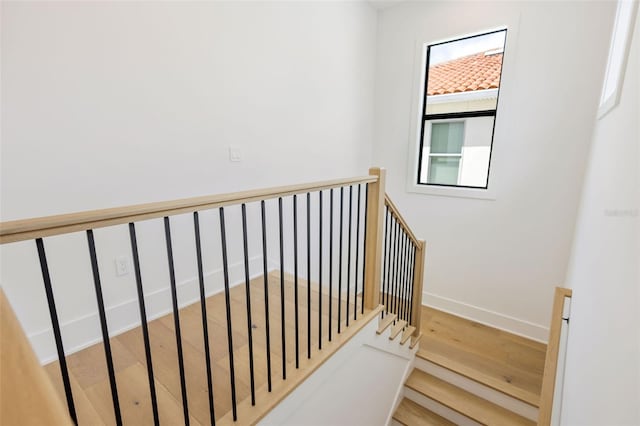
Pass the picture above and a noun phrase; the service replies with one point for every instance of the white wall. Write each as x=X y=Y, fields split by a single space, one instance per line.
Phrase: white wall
x=342 y=391
x=602 y=379
x=115 y=103
x=498 y=261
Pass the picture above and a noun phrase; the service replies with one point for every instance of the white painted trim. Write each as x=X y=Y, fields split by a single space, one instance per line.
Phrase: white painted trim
x=493 y=319
x=84 y=331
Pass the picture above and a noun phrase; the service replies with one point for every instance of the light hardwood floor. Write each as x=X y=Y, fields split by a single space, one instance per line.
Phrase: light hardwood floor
x=90 y=382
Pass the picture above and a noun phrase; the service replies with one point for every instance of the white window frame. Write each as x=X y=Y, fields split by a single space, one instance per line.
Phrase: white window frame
x=413 y=159
x=626 y=12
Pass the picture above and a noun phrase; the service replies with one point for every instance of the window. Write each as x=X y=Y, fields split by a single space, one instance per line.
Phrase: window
x=462 y=82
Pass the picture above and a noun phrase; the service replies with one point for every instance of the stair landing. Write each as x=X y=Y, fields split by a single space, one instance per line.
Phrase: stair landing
x=500 y=360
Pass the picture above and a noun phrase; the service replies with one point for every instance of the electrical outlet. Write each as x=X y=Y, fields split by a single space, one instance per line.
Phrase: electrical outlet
x=122 y=266
x=235 y=155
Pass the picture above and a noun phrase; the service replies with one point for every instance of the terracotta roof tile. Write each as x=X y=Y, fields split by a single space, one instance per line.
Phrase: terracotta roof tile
x=466 y=74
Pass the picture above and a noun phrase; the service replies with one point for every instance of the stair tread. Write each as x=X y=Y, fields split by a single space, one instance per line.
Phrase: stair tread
x=410 y=413
x=481 y=370
x=462 y=401
x=407 y=334
x=385 y=323
x=396 y=329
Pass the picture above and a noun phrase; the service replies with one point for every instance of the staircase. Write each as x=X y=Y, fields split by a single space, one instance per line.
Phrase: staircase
x=466 y=373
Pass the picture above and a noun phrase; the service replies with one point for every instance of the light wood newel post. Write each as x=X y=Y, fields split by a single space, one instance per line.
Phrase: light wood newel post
x=28 y=396
x=551 y=359
x=418 y=278
x=373 y=248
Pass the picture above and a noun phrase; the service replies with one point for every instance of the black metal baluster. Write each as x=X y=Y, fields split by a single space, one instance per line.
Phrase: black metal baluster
x=104 y=328
x=203 y=310
x=394 y=270
x=176 y=319
x=56 y=329
x=227 y=297
x=143 y=320
x=404 y=274
x=295 y=278
x=349 y=253
x=320 y=270
x=400 y=273
x=247 y=284
x=340 y=260
x=413 y=263
x=364 y=244
x=308 y=275
x=392 y=230
x=265 y=273
x=355 y=274
x=407 y=283
x=398 y=270
x=384 y=259
x=330 y=259
x=282 y=312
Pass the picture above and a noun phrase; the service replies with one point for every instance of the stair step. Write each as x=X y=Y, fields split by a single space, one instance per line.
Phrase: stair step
x=385 y=323
x=406 y=334
x=396 y=329
x=480 y=370
x=409 y=414
x=463 y=402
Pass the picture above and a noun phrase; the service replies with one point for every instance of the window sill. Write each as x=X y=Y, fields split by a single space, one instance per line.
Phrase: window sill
x=451 y=191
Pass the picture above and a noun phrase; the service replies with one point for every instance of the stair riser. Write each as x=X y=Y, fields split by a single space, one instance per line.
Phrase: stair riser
x=490 y=394
x=439 y=409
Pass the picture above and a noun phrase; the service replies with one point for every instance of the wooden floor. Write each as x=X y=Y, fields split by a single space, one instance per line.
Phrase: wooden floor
x=90 y=383
x=498 y=359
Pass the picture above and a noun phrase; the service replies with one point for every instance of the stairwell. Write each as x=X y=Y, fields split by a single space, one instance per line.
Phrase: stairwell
x=466 y=373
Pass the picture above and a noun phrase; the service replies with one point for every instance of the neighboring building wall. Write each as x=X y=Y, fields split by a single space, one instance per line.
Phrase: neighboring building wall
x=475 y=151
x=602 y=379
x=114 y=103
x=498 y=261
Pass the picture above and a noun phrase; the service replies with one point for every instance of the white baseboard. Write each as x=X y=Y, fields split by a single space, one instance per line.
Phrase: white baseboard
x=85 y=331
x=513 y=325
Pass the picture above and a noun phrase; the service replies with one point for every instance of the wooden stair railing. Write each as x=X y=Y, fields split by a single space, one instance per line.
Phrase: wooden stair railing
x=551 y=360
x=377 y=241
x=402 y=290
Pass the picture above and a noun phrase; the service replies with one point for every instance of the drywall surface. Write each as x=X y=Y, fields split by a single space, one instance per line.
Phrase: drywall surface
x=114 y=103
x=343 y=391
x=497 y=261
x=602 y=378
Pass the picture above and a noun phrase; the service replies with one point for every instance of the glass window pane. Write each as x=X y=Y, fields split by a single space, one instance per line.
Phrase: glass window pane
x=444 y=170
x=447 y=138
x=464 y=75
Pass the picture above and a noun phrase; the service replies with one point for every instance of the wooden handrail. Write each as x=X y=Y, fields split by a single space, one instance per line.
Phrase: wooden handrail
x=551 y=359
x=28 y=229
x=27 y=397
x=394 y=210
